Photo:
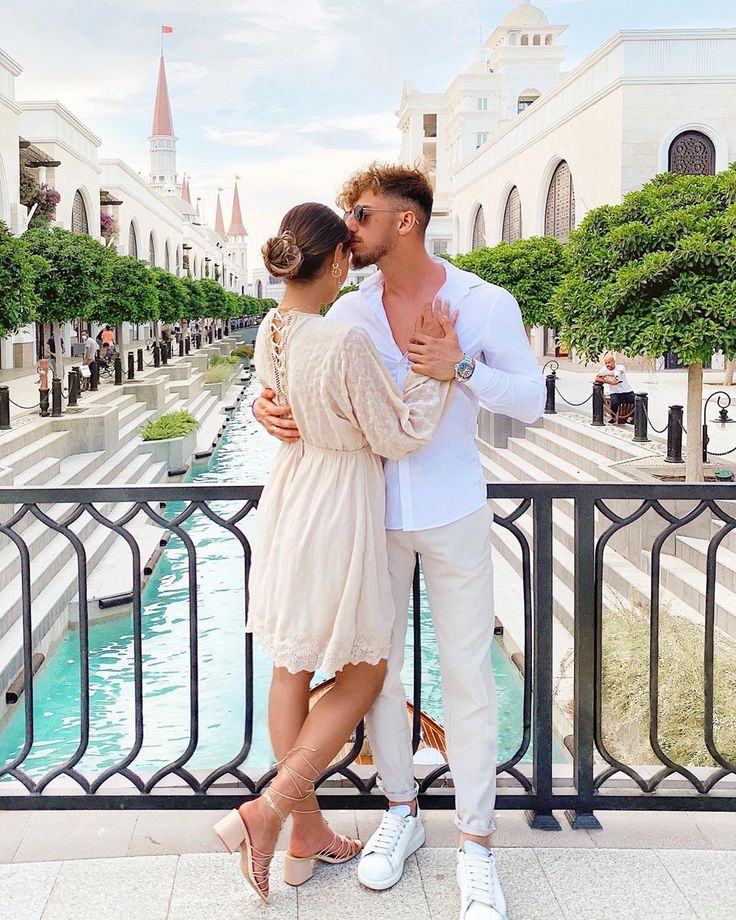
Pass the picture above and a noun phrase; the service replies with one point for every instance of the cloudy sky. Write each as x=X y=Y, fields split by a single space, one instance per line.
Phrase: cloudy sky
x=291 y=95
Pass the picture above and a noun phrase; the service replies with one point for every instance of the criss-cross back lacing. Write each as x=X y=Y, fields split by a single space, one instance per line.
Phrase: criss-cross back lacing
x=280 y=326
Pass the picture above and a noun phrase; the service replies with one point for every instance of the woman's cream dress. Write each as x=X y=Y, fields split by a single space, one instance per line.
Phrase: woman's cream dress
x=320 y=596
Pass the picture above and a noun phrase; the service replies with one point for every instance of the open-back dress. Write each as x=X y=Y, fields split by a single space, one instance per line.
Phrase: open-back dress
x=320 y=596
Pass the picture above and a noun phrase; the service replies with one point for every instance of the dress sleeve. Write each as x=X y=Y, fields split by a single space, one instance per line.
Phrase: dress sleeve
x=394 y=425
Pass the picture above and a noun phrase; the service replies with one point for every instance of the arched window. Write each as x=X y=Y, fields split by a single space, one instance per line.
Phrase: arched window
x=80 y=224
x=537 y=40
x=692 y=153
x=548 y=39
x=178 y=261
x=151 y=251
x=259 y=289
x=525 y=39
x=132 y=242
x=559 y=214
x=479 y=229
x=512 y=217
x=167 y=257
x=194 y=272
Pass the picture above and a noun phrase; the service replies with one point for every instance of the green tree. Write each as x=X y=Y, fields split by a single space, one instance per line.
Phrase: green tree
x=70 y=280
x=130 y=294
x=194 y=305
x=18 y=271
x=530 y=269
x=214 y=299
x=173 y=296
x=657 y=274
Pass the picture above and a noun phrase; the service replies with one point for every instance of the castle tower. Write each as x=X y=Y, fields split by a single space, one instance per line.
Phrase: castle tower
x=219 y=222
x=162 y=140
x=237 y=245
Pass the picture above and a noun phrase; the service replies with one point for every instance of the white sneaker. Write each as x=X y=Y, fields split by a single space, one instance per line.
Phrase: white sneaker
x=382 y=861
x=481 y=896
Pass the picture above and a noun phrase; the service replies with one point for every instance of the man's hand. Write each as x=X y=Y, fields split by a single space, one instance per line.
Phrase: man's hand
x=433 y=356
x=275 y=419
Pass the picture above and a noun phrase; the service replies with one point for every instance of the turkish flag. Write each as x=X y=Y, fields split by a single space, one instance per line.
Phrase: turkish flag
x=166 y=29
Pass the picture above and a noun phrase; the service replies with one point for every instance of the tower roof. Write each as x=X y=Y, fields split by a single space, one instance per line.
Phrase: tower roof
x=219 y=222
x=185 y=194
x=525 y=15
x=163 y=123
x=236 y=222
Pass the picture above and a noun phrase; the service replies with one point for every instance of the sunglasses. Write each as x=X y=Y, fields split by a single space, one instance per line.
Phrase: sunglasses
x=361 y=211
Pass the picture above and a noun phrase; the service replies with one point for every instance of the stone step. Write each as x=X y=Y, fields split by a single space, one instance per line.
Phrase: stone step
x=556 y=467
x=694 y=551
x=38 y=474
x=579 y=456
x=595 y=439
x=54 y=444
x=18 y=438
x=132 y=429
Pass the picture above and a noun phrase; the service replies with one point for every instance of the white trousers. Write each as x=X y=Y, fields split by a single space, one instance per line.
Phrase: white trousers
x=458 y=573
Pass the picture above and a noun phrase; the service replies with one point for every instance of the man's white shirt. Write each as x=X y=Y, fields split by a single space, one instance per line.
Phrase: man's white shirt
x=443 y=481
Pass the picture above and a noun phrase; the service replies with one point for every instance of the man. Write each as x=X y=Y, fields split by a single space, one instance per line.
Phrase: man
x=435 y=506
x=620 y=390
x=51 y=344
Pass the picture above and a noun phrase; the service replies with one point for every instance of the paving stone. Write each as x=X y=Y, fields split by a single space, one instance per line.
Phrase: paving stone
x=719 y=829
x=513 y=830
x=175 y=832
x=54 y=835
x=707 y=879
x=526 y=888
x=113 y=889
x=24 y=890
x=602 y=884
x=13 y=825
x=335 y=893
x=642 y=830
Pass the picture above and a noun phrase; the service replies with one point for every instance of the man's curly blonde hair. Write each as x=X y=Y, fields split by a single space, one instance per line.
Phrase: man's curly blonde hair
x=410 y=185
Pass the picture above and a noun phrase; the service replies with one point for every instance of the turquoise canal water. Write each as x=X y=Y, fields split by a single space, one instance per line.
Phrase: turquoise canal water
x=243 y=456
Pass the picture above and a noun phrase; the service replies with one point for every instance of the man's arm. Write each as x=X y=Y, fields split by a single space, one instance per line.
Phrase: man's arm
x=275 y=419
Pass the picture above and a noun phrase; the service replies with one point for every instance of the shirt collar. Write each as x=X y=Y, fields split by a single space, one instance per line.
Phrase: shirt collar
x=457 y=284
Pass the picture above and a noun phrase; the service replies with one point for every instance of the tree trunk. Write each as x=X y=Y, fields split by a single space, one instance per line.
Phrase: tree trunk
x=694 y=424
x=119 y=342
x=730 y=371
x=59 y=363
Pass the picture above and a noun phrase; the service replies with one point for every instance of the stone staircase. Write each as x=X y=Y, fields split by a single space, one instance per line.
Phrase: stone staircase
x=47 y=454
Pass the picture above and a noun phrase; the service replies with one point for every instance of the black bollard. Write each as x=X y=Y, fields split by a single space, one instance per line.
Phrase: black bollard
x=181 y=347
x=199 y=340
x=187 y=345
x=140 y=359
x=597 y=405
x=706 y=439
x=43 y=402
x=156 y=355
x=94 y=376
x=165 y=353
x=56 y=397
x=5 y=409
x=80 y=381
x=641 y=406
x=551 y=381
x=118 y=372
x=171 y=349
x=131 y=366
x=71 y=386
x=674 y=435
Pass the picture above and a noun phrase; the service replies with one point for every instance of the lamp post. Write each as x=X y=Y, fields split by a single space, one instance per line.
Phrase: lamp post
x=724 y=402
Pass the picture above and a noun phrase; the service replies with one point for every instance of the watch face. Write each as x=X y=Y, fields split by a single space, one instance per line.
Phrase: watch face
x=464 y=370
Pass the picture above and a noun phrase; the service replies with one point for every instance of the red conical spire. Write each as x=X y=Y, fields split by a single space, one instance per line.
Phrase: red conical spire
x=236 y=222
x=185 y=191
x=219 y=222
x=163 y=123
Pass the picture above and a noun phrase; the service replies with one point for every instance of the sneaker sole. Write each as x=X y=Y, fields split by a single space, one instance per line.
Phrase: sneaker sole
x=392 y=880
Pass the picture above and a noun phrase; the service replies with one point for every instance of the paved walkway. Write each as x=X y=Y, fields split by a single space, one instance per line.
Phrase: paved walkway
x=169 y=866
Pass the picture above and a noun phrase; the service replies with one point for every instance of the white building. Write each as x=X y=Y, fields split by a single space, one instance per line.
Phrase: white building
x=153 y=218
x=520 y=149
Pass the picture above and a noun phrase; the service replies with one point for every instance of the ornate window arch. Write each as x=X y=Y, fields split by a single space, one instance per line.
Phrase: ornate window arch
x=511 y=229
x=178 y=261
x=559 y=213
x=194 y=268
x=478 y=236
x=151 y=250
x=132 y=241
x=259 y=289
x=692 y=153
x=80 y=223
x=167 y=257
x=524 y=39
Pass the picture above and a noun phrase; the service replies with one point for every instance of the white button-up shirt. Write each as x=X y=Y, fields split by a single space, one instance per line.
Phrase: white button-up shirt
x=443 y=481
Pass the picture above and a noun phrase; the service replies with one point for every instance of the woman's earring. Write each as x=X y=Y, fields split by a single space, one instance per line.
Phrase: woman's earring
x=336 y=270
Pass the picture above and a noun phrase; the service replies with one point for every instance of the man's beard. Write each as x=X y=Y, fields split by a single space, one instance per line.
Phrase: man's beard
x=371 y=256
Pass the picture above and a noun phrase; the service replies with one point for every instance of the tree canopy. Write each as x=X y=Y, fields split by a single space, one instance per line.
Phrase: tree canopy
x=18 y=271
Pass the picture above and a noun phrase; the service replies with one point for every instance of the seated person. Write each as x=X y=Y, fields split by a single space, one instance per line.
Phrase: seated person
x=620 y=390
x=106 y=355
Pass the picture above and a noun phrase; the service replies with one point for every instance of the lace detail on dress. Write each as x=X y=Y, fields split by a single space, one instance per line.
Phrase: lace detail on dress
x=310 y=656
x=278 y=334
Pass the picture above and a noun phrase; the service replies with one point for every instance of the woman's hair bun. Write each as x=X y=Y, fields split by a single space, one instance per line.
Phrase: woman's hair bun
x=282 y=256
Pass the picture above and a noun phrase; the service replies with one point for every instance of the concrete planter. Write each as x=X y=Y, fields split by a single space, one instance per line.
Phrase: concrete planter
x=175 y=452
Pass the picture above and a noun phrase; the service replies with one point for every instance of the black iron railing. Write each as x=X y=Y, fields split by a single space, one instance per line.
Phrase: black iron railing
x=597 y=779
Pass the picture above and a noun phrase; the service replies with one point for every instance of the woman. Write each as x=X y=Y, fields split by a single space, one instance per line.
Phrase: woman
x=320 y=595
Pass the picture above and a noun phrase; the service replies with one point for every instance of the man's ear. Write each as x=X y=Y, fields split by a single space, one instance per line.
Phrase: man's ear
x=407 y=223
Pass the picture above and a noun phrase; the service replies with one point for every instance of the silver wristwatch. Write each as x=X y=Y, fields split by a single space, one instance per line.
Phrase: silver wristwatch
x=464 y=369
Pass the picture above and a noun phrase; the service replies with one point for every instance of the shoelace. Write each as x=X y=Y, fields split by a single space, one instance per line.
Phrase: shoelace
x=388 y=833
x=478 y=876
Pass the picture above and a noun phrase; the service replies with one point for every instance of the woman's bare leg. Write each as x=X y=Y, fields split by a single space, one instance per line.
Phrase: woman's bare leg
x=288 y=708
x=324 y=731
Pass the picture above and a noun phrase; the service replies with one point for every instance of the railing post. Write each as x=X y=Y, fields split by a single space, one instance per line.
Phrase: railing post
x=551 y=382
x=71 y=386
x=674 y=435
x=156 y=355
x=582 y=817
x=187 y=345
x=4 y=409
x=542 y=817
x=597 y=405
x=641 y=428
x=706 y=438
x=131 y=366
x=55 y=397
x=171 y=349
x=181 y=346
x=140 y=359
x=118 y=372
x=43 y=403
x=94 y=376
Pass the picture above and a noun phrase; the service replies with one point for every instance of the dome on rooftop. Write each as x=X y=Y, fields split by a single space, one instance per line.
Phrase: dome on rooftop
x=525 y=16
